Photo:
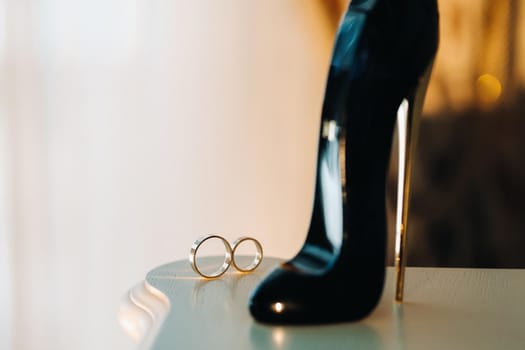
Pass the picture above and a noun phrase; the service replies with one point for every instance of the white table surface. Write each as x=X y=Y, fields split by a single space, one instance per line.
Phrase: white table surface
x=444 y=308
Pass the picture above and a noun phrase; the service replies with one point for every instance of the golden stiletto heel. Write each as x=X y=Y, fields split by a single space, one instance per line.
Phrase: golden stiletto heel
x=408 y=118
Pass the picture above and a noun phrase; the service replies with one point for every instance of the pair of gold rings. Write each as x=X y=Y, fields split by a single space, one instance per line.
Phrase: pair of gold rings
x=229 y=255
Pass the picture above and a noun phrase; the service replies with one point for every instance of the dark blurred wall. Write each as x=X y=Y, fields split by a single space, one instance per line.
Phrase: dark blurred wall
x=468 y=205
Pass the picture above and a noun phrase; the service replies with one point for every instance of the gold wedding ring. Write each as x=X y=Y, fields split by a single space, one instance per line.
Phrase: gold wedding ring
x=256 y=260
x=229 y=255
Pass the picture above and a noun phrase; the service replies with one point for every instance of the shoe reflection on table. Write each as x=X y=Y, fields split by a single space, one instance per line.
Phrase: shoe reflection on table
x=344 y=336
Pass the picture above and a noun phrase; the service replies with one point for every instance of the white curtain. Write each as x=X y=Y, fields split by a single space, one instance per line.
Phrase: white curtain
x=128 y=128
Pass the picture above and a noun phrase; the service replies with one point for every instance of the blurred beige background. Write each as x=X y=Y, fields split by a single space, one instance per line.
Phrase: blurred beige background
x=129 y=128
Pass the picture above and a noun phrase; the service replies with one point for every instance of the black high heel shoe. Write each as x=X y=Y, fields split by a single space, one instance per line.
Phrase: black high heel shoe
x=380 y=67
